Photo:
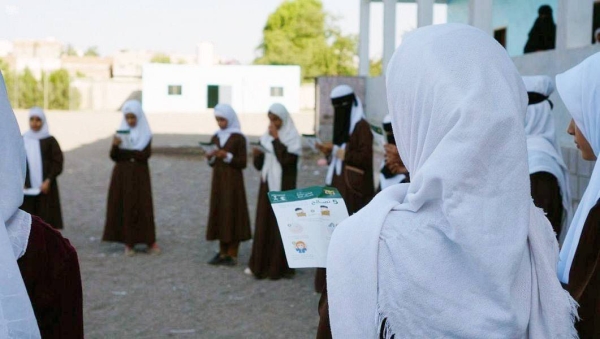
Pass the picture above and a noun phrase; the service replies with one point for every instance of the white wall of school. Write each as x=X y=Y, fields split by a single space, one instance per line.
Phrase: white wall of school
x=250 y=87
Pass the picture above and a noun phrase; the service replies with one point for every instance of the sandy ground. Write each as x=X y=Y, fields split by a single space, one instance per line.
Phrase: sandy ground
x=175 y=294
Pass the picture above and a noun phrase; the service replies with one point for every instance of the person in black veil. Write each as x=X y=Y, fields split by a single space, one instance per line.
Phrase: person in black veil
x=543 y=33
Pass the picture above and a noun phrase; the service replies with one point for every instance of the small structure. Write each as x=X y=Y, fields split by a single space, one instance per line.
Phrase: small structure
x=171 y=88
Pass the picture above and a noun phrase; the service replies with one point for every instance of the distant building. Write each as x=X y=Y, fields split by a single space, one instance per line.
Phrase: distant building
x=169 y=88
x=95 y=68
x=37 y=55
x=129 y=64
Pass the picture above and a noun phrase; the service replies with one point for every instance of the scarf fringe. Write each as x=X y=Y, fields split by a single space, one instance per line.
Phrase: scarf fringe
x=385 y=329
x=573 y=306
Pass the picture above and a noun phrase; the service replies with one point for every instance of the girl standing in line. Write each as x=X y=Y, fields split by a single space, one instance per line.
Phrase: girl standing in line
x=130 y=211
x=44 y=165
x=279 y=171
x=228 y=220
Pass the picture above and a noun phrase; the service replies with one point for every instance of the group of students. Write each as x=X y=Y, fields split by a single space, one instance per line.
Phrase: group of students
x=460 y=250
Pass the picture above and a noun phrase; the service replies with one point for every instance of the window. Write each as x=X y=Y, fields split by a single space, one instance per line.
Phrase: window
x=596 y=20
x=276 y=91
x=175 y=90
x=500 y=36
x=212 y=95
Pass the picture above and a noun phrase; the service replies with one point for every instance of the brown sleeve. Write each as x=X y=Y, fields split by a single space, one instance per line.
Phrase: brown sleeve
x=324 y=329
x=360 y=153
x=259 y=161
x=240 y=153
x=56 y=160
x=285 y=159
x=587 y=255
x=117 y=154
x=546 y=195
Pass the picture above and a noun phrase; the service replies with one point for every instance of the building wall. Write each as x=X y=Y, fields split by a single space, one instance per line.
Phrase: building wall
x=249 y=87
x=517 y=16
x=106 y=95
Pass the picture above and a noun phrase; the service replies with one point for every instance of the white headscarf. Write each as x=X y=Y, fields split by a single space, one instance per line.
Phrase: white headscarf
x=356 y=116
x=543 y=149
x=17 y=319
x=579 y=89
x=288 y=135
x=461 y=251
x=34 y=152
x=140 y=135
x=233 y=124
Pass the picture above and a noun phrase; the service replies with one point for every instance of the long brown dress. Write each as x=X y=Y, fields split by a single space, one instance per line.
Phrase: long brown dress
x=130 y=211
x=356 y=189
x=50 y=270
x=584 y=277
x=47 y=206
x=268 y=258
x=546 y=194
x=228 y=220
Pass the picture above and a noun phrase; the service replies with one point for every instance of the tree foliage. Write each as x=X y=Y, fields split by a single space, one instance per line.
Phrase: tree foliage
x=161 y=59
x=25 y=91
x=92 y=51
x=300 y=32
x=29 y=89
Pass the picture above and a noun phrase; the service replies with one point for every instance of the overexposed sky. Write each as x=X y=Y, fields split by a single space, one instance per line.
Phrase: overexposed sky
x=234 y=26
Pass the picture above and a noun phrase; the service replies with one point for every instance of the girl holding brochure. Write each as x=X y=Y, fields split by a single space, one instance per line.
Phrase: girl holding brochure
x=44 y=165
x=278 y=162
x=228 y=220
x=130 y=211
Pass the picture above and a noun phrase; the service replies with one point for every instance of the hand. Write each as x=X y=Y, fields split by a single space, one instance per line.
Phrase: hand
x=221 y=154
x=210 y=155
x=273 y=131
x=391 y=154
x=325 y=148
x=256 y=152
x=45 y=186
x=117 y=141
x=341 y=154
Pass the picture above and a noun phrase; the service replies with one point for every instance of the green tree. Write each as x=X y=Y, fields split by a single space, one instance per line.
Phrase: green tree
x=300 y=32
x=161 y=59
x=92 y=51
x=59 y=91
x=376 y=68
x=29 y=90
x=70 y=50
x=9 y=80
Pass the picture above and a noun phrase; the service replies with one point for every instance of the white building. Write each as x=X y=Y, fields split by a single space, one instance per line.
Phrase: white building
x=575 y=21
x=169 y=88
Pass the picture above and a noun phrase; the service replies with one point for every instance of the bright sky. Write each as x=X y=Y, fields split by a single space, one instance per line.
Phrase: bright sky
x=234 y=26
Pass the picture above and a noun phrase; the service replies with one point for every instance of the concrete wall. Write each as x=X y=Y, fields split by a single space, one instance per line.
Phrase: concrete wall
x=249 y=93
x=106 y=95
x=517 y=16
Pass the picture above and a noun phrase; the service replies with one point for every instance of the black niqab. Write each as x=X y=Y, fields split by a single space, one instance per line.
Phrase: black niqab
x=342 y=118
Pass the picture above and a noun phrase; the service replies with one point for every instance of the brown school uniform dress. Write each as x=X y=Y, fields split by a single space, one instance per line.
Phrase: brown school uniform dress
x=47 y=206
x=546 y=194
x=50 y=270
x=584 y=277
x=130 y=211
x=268 y=256
x=356 y=188
x=229 y=221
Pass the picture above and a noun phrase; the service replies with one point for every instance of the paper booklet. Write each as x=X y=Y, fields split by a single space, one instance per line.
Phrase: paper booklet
x=208 y=147
x=378 y=136
x=306 y=219
x=312 y=140
x=124 y=136
x=32 y=191
x=260 y=147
